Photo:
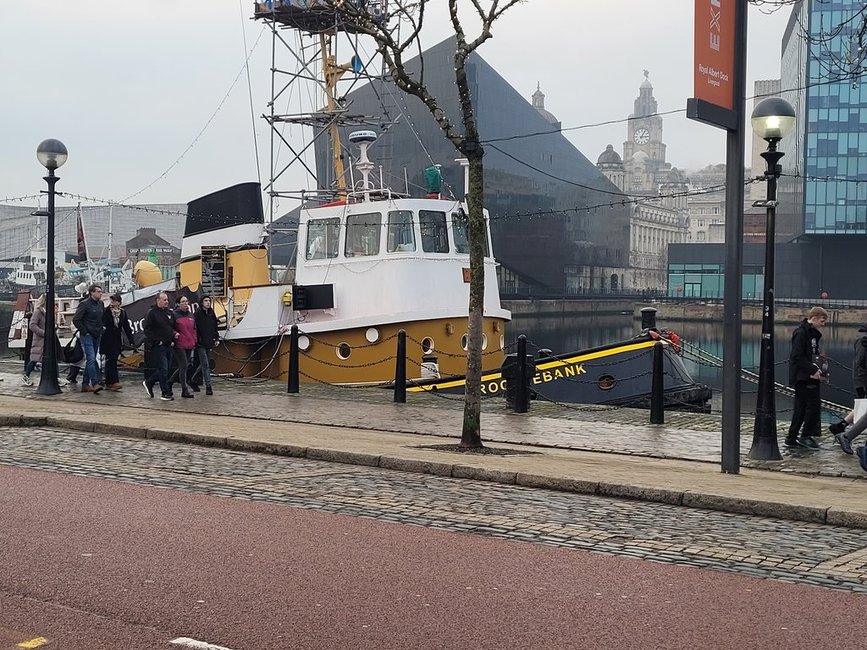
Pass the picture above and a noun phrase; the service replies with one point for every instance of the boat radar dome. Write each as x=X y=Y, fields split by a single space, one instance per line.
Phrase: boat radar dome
x=358 y=137
x=364 y=139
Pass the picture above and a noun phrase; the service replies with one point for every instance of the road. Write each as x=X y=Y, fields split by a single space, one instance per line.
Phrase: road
x=108 y=542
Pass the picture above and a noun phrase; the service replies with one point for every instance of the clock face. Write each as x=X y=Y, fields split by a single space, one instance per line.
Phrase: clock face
x=641 y=136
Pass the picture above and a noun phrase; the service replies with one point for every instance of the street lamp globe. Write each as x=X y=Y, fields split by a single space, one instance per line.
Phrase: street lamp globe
x=773 y=118
x=51 y=153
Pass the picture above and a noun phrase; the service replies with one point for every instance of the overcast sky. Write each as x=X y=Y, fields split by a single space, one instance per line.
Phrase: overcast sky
x=130 y=87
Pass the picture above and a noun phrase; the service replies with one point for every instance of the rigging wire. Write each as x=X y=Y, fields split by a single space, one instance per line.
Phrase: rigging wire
x=250 y=94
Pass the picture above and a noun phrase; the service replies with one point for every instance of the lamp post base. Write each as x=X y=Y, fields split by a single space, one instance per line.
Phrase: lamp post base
x=765 y=448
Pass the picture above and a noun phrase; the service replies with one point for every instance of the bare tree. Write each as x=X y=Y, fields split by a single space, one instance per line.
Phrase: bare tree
x=396 y=34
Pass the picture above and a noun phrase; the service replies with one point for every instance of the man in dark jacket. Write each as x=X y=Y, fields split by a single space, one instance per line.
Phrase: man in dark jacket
x=117 y=326
x=88 y=321
x=806 y=371
x=859 y=381
x=160 y=337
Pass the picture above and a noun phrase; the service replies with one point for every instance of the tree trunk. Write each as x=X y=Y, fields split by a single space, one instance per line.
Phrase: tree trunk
x=471 y=435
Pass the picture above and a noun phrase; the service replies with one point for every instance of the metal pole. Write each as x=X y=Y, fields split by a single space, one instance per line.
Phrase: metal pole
x=48 y=384
x=400 y=369
x=734 y=239
x=657 y=387
x=765 y=445
x=293 y=384
x=522 y=399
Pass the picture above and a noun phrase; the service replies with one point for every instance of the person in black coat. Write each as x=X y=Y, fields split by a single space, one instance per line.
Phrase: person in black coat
x=116 y=324
x=806 y=371
x=208 y=337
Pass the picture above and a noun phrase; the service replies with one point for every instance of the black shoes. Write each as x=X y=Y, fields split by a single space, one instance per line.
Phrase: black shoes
x=209 y=391
x=188 y=395
x=167 y=398
x=844 y=442
x=840 y=427
x=195 y=388
x=148 y=387
x=807 y=442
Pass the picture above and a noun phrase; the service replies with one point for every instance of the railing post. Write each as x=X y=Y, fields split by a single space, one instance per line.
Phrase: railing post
x=648 y=318
x=292 y=384
x=400 y=369
x=522 y=397
x=657 y=412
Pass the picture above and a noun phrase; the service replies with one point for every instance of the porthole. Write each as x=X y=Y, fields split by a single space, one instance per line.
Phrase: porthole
x=372 y=335
x=303 y=343
x=484 y=341
x=606 y=382
x=343 y=351
x=465 y=340
x=427 y=345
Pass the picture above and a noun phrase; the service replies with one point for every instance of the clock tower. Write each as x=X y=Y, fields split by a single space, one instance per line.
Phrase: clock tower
x=643 y=150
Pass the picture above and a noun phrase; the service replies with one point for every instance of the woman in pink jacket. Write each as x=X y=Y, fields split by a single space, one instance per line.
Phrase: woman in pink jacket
x=185 y=342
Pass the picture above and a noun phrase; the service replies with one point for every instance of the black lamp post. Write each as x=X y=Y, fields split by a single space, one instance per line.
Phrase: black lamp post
x=51 y=154
x=772 y=119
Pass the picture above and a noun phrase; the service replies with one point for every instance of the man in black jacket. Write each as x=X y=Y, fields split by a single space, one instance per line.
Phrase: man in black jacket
x=160 y=337
x=88 y=322
x=208 y=336
x=806 y=371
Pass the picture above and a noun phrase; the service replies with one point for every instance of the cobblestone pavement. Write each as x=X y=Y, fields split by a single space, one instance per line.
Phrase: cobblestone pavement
x=690 y=436
x=790 y=551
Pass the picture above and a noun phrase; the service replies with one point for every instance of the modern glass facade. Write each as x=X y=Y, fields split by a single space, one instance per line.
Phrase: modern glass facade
x=835 y=123
x=697 y=280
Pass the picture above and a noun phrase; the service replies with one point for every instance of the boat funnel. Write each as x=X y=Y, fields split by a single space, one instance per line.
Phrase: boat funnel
x=364 y=139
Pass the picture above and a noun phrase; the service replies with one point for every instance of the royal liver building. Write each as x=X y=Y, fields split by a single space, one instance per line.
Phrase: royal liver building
x=657 y=192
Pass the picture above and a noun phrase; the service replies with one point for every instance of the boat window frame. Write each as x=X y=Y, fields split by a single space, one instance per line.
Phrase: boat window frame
x=330 y=242
x=440 y=236
x=461 y=220
x=393 y=229
x=360 y=236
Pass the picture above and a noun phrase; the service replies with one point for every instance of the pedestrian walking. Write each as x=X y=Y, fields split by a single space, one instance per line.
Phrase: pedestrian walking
x=843 y=437
x=36 y=334
x=207 y=337
x=806 y=371
x=159 y=330
x=117 y=326
x=185 y=343
x=88 y=321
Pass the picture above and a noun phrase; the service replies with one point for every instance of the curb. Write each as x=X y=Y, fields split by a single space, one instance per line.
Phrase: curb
x=832 y=515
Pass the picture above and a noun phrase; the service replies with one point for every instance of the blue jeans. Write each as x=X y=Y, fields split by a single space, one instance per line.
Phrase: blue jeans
x=204 y=364
x=90 y=344
x=159 y=363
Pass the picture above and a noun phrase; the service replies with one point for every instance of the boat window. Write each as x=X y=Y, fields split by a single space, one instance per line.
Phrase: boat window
x=434 y=236
x=400 y=233
x=322 y=236
x=461 y=233
x=362 y=234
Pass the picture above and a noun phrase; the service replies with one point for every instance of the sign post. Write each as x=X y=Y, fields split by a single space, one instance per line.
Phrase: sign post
x=720 y=95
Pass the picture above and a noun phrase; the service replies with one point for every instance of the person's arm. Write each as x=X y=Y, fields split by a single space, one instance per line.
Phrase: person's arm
x=78 y=319
x=801 y=357
x=127 y=329
x=37 y=323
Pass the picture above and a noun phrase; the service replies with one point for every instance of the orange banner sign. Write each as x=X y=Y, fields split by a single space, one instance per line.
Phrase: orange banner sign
x=715 y=51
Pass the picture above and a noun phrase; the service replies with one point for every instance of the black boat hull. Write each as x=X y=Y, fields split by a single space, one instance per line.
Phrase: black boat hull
x=618 y=374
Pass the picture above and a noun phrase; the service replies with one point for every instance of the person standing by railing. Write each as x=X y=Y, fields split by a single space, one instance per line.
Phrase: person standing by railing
x=805 y=375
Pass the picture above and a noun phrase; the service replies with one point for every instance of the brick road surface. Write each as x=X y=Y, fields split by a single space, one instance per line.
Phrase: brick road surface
x=795 y=552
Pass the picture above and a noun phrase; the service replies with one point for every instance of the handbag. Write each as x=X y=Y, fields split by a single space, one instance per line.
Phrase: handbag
x=72 y=351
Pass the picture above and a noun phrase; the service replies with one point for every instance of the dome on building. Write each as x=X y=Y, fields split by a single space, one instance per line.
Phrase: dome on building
x=539 y=105
x=609 y=157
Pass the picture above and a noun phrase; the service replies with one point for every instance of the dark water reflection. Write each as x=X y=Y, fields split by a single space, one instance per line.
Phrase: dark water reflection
x=569 y=333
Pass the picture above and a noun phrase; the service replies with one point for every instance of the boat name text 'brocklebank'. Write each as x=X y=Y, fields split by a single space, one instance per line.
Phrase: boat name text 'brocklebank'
x=541 y=377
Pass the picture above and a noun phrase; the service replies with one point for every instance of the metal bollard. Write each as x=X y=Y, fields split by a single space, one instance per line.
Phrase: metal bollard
x=292 y=383
x=522 y=395
x=657 y=410
x=648 y=318
x=400 y=369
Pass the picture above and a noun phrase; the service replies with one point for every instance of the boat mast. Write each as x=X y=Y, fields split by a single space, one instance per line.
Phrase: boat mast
x=332 y=73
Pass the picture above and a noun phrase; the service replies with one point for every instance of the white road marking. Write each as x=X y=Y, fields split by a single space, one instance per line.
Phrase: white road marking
x=199 y=645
